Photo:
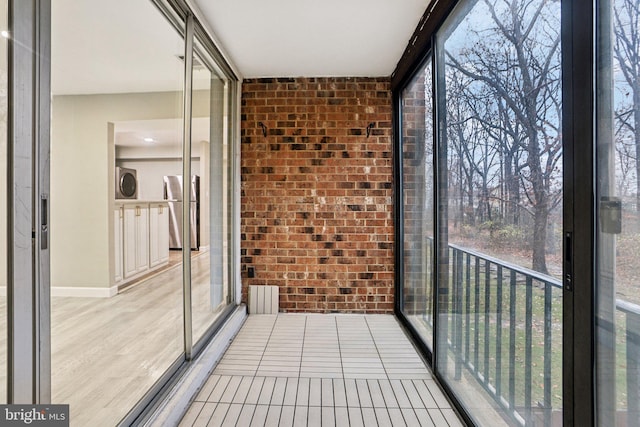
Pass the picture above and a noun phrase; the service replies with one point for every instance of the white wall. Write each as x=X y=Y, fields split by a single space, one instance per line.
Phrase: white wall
x=82 y=179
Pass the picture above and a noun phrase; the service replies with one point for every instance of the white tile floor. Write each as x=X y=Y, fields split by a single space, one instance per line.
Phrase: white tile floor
x=321 y=370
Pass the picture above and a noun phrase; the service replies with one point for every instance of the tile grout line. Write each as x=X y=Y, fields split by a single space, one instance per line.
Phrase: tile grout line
x=375 y=344
x=283 y=394
x=265 y=347
x=229 y=407
x=344 y=385
x=257 y=369
x=335 y=318
x=304 y=336
x=386 y=374
x=196 y=417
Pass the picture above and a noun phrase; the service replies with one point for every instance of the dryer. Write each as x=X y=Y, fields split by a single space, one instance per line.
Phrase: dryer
x=126 y=183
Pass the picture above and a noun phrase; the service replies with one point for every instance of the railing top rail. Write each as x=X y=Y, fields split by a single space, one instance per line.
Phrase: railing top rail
x=518 y=269
x=622 y=305
x=627 y=307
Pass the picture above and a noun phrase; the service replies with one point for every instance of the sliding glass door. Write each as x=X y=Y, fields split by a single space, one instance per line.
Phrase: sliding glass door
x=140 y=202
x=96 y=103
x=500 y=210
x=116 y=290
x=482 y=209
x=210 y=125
x=4 y=190
x=418 y=199
x=618 y=211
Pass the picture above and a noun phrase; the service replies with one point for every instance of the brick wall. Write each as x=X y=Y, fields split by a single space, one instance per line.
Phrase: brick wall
x=317 y=194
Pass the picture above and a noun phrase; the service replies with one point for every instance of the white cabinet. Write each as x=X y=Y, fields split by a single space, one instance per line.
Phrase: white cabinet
x=141 y=239
x=136 y=239
x=118 y=224
x=158 y=234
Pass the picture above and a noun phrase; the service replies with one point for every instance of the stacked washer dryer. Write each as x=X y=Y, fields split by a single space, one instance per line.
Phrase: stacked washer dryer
x=126 y=183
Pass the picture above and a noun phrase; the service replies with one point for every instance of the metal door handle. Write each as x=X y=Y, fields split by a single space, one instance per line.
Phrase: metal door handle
x=568 y=261
x=44 y=222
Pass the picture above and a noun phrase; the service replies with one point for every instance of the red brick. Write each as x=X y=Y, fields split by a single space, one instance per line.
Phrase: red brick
x=316 y=194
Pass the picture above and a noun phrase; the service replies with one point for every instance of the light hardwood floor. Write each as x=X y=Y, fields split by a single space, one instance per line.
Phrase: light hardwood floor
x=106 y=353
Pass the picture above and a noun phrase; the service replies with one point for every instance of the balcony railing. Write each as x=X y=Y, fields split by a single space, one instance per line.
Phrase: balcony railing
x=503 y=314
x=504 y=333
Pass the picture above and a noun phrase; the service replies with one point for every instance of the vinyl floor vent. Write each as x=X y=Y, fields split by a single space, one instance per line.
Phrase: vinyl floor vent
x=263 y=299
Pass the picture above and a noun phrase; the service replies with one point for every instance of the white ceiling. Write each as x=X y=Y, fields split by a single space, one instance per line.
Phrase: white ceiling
x=165 y=132
x=116 y=46
x=113 y=46
x=313 y=38
x=120 y=46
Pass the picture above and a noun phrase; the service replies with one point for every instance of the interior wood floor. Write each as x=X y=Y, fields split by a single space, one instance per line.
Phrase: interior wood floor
x=107 y=352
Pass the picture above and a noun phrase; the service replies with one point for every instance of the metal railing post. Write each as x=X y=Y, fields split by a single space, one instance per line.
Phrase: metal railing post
x=633 y=367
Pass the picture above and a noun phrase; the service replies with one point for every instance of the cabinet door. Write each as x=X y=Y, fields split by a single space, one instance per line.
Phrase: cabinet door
x=129 y=241
x=154 y=258
x=163 y=234
x=158 y=235
x=142 y=238
x=118 y=254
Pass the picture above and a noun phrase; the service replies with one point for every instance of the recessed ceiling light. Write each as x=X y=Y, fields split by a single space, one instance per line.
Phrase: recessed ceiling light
x=4 y=33
x=149 y=139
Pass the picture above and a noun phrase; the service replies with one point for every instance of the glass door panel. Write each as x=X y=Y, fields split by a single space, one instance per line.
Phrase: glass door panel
x=4 y=83
x=211 y=162
x=116 y=289
x=418 y=198
x=499 y=322
x=618 y=181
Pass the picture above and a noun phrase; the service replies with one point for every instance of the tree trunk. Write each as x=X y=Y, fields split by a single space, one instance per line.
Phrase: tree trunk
x=515 y=195
x=471 y=214
x=541 y=216
x=513 y=189
x=636 y=132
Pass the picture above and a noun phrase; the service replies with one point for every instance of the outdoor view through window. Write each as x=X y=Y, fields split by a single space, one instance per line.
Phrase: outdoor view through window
x=618 y=174
x=498 y=204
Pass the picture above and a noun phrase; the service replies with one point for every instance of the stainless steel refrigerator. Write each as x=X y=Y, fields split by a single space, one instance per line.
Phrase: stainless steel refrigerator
x=173 y=195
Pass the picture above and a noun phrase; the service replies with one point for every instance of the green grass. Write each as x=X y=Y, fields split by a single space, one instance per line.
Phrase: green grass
x=537 y=350
x=537 y=339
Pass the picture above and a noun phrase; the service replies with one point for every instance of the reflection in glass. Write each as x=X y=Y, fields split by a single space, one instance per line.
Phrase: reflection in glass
x=417 y=161
x=499 y=319
x=209 y=268
x=116 y=306
x=618 y=146
x=3 y=202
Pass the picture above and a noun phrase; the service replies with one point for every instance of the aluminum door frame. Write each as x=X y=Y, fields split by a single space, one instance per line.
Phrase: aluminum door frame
x=28 y=124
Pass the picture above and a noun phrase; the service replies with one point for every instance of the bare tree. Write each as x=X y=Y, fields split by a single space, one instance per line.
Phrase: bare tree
x=519 y=59
x=626 y=152
x=626 y=50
